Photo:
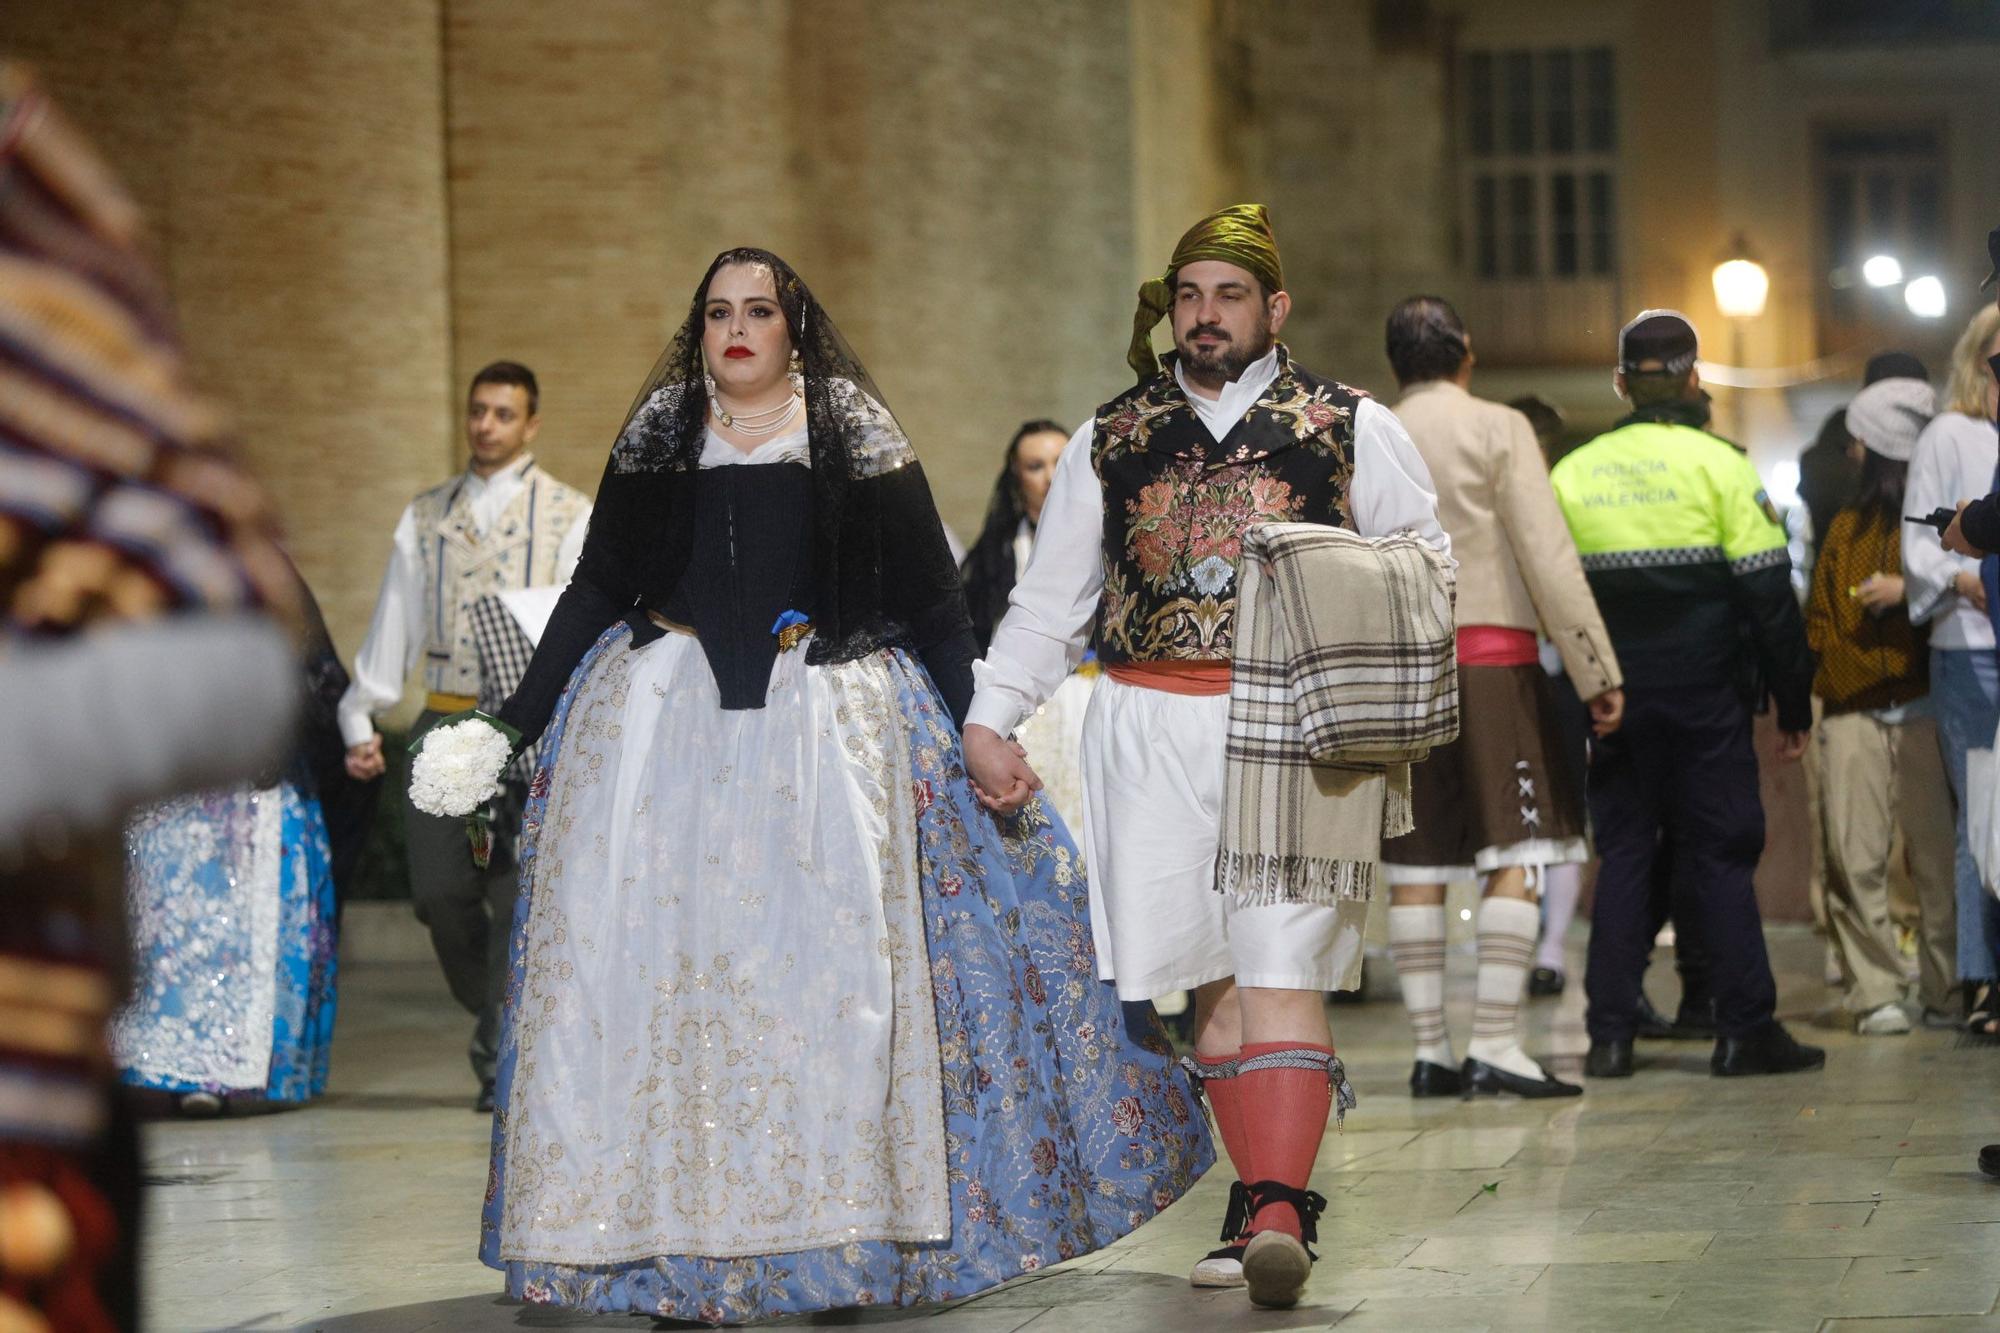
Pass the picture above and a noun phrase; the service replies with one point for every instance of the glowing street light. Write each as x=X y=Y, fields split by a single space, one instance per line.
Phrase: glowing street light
x=1925 y=297
x=1882 y=271
x=1741 y=288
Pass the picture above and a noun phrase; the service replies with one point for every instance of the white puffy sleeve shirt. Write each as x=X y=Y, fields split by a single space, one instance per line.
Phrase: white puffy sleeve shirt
x=396 y=636
x=1049 y=615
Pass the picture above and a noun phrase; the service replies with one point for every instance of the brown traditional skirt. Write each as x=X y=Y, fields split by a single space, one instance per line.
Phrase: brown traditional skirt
x=1505 y=792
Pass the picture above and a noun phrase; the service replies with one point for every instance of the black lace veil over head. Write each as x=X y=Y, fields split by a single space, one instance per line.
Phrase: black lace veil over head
x=851 y=429
x=881 y=568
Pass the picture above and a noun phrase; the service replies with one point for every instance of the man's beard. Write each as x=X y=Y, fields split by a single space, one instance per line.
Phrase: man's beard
x=1226 y=360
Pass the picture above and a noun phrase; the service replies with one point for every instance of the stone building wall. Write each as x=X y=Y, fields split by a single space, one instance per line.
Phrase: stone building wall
x=361 y=204
x=290 y=159
x=1344 y=138
x=952 y=179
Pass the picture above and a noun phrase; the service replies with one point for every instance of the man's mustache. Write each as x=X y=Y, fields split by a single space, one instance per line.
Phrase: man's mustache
x=1212 y=330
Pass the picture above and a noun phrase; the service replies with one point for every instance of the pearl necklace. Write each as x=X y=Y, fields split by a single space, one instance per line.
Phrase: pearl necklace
x=756 y=424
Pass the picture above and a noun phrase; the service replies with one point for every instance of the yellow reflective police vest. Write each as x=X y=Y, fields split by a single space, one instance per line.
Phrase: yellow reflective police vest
x=1687 y=561
x=1655 y=495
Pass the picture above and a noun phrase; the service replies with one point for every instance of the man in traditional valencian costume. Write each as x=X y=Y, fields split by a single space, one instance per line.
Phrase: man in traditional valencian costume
x=500 y=526
x=1142 y=538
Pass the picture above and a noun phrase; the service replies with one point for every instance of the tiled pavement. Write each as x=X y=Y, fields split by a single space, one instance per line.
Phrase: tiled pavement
x=1844 y=1199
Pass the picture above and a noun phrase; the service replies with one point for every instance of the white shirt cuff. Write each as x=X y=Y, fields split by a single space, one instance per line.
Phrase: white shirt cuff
x=356 y=726
x=994 y=711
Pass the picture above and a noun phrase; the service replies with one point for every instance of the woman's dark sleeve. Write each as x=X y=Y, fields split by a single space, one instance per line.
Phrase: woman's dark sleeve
x=604 y=587
x=321 y=747
x=950 y=664
x=582 y=613
x=921 y=584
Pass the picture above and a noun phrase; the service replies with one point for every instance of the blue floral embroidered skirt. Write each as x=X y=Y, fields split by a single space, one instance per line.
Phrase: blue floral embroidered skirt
x=231 y=900
x=794 y=1024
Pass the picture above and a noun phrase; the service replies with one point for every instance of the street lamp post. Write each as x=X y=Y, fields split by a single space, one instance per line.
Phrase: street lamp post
x=1741 y=289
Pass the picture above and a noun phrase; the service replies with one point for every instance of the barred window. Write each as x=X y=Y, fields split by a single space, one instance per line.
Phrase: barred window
x=1540 y=163
x=1807 y=24
x=1881 y=193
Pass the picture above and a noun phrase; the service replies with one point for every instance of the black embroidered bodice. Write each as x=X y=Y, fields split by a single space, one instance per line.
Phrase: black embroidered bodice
x=879 y=575
x=750 y=561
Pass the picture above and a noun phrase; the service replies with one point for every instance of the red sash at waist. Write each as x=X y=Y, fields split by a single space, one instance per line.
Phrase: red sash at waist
x=1175 y=677
x=1496 y=645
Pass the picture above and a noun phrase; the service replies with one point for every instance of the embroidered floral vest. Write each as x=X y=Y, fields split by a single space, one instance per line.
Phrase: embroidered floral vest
x=461 y=565
x=1177 y=502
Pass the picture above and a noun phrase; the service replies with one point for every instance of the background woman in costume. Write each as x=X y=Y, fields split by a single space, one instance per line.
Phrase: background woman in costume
x=995 y=563
x=231 y=899
x=791 y=1024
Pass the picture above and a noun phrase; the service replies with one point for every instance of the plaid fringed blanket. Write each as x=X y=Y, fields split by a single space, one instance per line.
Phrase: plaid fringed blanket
x=1346 y=673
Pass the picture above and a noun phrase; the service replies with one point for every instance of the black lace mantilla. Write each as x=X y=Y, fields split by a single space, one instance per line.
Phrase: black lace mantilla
x=880 y=568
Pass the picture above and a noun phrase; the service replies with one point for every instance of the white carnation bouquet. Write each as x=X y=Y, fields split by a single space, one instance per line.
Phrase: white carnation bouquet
x=455 y=769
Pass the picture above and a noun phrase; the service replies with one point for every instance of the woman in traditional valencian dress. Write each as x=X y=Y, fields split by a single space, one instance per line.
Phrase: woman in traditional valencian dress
x=231 y=898
x=792 y=1024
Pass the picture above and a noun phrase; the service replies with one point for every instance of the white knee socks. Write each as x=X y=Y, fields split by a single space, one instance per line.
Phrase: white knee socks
x=1416 y=941
x=1507 y=928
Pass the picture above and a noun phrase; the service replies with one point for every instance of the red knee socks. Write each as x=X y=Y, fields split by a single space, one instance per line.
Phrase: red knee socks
x=1283 y=1092
x=1225 y=1102
x=1219 y=1086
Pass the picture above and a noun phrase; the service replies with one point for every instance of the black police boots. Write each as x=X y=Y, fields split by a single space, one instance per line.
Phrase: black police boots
x=1768 y=1050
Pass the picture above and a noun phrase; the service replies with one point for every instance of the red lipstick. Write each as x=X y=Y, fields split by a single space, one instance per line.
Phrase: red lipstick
x=738 y=353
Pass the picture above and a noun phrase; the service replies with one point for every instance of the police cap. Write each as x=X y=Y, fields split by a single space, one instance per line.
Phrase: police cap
x=1661 y=341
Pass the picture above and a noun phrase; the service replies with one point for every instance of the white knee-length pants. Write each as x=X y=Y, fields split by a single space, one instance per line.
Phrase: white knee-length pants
x=1152 y=823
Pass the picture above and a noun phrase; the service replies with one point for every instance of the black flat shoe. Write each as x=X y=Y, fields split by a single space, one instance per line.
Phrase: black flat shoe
x=1989 y=1160
x=1484 y=1080
x=1544 y=982
x=1769 y=1050
x=1608 y=1059
x=1656 y=1026
x=1432 y=1080
x=483 y=1104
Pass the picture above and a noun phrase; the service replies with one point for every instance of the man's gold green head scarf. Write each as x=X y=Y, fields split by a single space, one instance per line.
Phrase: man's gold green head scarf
x=1239 y=234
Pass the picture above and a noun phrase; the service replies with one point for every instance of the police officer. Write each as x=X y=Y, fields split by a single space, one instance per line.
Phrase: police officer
x=1688 y=563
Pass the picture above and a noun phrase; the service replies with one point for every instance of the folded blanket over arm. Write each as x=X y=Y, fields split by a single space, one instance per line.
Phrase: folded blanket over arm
x=1346 y=673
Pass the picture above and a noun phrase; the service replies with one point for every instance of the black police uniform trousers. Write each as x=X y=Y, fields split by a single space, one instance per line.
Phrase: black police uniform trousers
x=1678 y=780
x=1690 y=958
x=1690 y=954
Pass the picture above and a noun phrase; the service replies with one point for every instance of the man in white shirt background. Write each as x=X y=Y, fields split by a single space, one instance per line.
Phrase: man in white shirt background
x=501 y=525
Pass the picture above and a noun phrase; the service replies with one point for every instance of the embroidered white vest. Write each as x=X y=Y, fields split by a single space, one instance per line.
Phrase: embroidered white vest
x=519 y=550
